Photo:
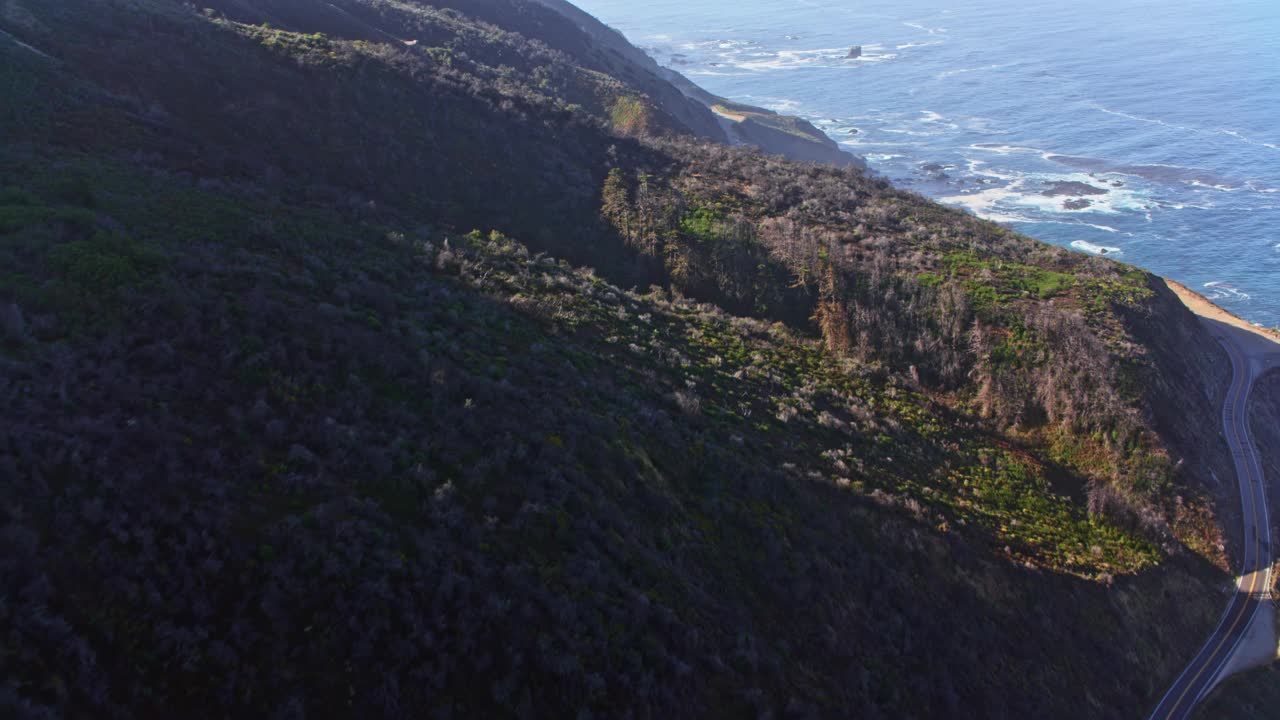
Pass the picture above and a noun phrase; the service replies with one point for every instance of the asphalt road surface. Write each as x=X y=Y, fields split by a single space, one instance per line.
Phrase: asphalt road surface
x=1202 y=673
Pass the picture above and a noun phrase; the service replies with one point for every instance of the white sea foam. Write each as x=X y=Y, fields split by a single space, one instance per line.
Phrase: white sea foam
x=1212 y=186
x=1023 y=193
x=976 y=168
x=1157 y=121
x=907 y=46
x=785 y=106
x=1075 y=222
x=1219 y=290
x=987 y=204
x=1095 y=226
x=1236 y=134
x=932 y=117
x=1137 y=118
x=1243 y=138
x=931 y=31
x=765 y=61
x=983 y=126
x=1093 y=249
x=1253 y=186
x=961 y=71
x=1006 y=149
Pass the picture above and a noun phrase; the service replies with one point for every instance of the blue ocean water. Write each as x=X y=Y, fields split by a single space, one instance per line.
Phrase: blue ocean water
x=1171 y=108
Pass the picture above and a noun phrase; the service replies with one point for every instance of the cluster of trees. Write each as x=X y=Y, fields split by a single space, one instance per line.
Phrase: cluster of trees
x=884 y=277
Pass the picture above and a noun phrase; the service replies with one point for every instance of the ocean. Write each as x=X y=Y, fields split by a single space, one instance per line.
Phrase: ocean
x=1147 y=131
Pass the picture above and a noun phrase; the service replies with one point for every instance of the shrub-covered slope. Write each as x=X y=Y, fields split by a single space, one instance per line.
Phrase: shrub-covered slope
x=268 y=460
x=474 y=127
x=282 y=439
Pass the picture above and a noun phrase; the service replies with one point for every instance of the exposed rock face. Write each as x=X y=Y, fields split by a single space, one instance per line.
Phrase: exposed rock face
x=854 y=53
x=808 y=147
x=1076 y=204
x=1073 y=187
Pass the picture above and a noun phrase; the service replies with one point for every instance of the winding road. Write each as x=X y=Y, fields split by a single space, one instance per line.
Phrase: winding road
x=1209 y=664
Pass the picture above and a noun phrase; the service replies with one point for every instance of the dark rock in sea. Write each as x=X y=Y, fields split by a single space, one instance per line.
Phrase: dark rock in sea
x=1073 y=187
x=1117 y=183
x=1076 y=204
x=933 y=167
x=854 y=52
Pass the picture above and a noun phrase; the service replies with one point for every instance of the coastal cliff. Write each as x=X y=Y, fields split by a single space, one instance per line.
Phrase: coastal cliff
x=773 y=133
x=406 y=359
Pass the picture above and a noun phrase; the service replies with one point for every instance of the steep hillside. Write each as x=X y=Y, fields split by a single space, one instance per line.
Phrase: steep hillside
x=1253 y=694
x=743 y=124
x=263 y=459
x=286 y=438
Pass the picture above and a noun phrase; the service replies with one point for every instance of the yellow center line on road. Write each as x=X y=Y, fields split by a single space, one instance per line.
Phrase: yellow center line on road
x=1240 y=395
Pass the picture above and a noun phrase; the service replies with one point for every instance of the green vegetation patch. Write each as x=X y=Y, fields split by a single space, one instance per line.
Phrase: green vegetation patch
x=991 y=281
x=629 y=115
x=104 y=263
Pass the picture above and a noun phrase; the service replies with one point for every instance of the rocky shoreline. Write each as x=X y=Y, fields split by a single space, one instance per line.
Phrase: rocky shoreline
x=1072 y=188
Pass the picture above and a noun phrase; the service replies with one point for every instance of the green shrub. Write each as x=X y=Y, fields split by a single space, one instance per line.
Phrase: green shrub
x=74 y=190
x=17 y=196
x=629 y=115
x=103 y=264
x=703 y=224
x=17 y=217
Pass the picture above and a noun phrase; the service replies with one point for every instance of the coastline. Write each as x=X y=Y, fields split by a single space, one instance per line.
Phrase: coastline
x=1206 y=308
x=946 y=117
